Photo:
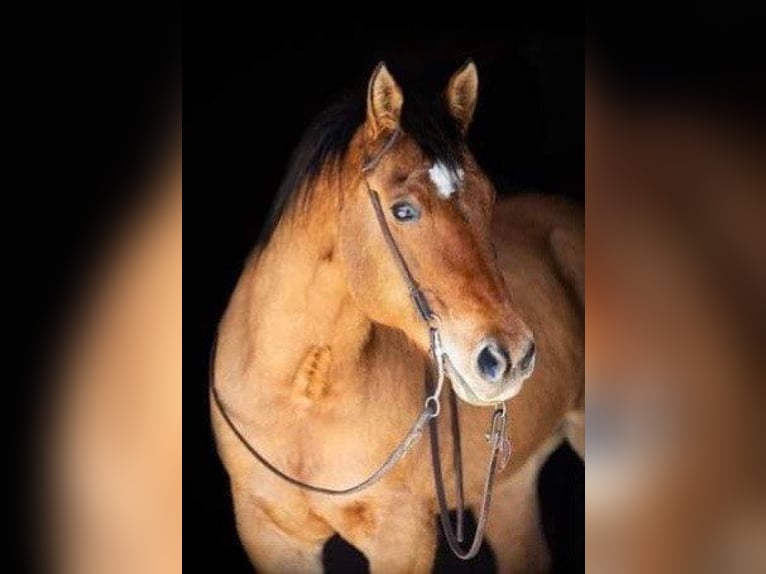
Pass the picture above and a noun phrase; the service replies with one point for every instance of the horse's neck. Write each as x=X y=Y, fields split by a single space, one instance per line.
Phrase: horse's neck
x=295 y=316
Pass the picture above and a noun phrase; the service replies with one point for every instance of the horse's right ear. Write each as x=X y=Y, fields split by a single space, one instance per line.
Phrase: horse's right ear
x=384 y=102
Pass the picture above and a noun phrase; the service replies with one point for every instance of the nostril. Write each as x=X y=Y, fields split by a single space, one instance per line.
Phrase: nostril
x=492 y=362
x=528 y=357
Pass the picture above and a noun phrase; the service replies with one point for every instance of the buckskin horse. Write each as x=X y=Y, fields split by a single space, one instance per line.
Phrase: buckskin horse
x=320 y=357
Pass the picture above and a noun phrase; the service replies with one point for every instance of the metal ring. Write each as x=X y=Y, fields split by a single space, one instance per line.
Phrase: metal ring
x=434 y=321
x=499 y=419
x=438 y=407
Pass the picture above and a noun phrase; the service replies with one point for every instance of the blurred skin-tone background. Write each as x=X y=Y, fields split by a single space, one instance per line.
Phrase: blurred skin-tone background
x=115 y=478
x=676 y=315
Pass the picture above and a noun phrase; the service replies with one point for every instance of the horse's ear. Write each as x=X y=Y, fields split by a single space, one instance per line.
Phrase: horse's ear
x=462 y=92
x=384 y=102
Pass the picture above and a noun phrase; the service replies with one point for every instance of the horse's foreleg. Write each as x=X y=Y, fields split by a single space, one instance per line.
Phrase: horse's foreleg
x=271 y=546
x=514 y=530
x=396 y=534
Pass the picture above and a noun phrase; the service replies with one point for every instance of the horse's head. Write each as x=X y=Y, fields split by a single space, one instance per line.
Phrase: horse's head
x=438 y=205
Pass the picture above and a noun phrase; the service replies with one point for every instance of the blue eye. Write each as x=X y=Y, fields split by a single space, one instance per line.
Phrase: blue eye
x=405 y=211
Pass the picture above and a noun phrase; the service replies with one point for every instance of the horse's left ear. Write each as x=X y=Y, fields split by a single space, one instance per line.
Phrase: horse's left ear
x=462 y=92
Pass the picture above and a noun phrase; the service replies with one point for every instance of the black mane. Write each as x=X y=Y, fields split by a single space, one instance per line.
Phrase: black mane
x=328 y=137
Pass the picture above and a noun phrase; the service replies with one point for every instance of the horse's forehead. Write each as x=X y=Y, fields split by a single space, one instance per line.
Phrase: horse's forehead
x=446 y=180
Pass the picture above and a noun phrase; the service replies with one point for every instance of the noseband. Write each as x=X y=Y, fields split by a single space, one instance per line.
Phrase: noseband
x=499 y=445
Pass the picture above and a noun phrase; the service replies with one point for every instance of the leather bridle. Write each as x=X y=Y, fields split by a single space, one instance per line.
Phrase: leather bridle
x=499 y=445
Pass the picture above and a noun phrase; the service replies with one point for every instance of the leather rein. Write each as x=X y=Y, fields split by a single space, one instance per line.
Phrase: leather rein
x=499 y=445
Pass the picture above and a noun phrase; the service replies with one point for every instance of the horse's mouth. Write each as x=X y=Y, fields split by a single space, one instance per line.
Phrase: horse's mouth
x=460 y=386
x=464 y=391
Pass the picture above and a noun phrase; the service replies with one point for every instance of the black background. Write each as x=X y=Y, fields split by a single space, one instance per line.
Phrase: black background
x=247 y=99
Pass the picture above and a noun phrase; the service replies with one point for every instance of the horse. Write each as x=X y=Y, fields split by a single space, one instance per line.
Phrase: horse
x=320 y=353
